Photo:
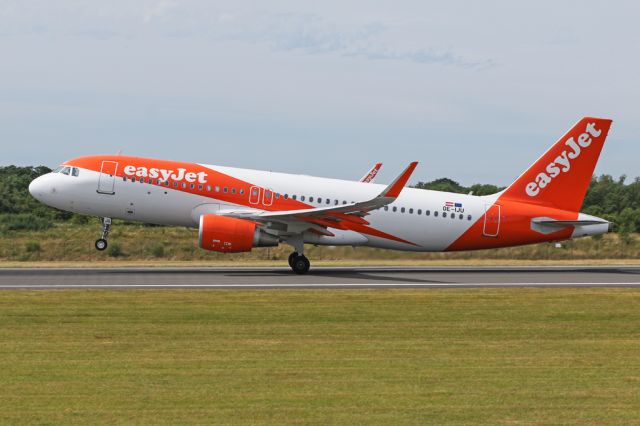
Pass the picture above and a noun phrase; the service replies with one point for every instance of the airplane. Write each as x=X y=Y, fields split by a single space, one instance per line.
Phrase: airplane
x=237 y=209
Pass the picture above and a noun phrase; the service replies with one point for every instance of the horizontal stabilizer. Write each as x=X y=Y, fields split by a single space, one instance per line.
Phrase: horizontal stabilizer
x=562 y=223
x=547 y=225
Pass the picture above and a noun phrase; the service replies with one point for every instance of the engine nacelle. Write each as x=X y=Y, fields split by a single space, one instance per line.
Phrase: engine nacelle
x=230 y=235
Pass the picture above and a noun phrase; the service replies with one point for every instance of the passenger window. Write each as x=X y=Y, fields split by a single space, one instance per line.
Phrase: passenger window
x=277 y=196
x=427 y=212
x=461 y=217
x=328 y=201
x=402 y=210
x=294 y=197
x=192 y=186
x=453 y=215
x=225 y=189
x=302 y=198
x=233 y=190
x=419 y=211
x=286 y=196
x=200 y=187
x=209 y=188
x=469 y=217
x=337 y=202
x=444 y=214
x=241 y=191
x=344 y=202
x=319 y=200
x=395 y=209
x=435 y=213
x=124 y=178
x=311 y=199
x=175 y=184
x=386 y=208
x=217 y=188
x=410 y=211
x=184 y=185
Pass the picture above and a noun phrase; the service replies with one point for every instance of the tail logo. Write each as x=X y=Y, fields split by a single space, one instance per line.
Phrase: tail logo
x=562 y=163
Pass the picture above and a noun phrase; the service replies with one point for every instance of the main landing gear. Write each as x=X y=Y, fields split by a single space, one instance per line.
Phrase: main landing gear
x=299 y=263
x=297 y=260
x=101 y=244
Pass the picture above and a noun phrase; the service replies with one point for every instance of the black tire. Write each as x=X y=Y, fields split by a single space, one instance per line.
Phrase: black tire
x=301 y=265
x=292 y=257
x=101 y=244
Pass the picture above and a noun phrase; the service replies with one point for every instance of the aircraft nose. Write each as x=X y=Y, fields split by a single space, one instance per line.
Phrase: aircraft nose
x=37 y=188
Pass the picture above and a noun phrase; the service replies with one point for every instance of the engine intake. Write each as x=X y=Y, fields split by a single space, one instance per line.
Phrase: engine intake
x=231 y=235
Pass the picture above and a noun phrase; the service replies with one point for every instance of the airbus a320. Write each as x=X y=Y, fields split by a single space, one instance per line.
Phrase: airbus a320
x=237 y=209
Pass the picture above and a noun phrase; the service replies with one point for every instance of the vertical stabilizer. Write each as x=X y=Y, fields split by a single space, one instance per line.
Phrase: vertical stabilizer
x=560 y=177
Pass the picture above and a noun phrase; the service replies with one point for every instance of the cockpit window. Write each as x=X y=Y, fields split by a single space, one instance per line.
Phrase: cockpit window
x=67 y=170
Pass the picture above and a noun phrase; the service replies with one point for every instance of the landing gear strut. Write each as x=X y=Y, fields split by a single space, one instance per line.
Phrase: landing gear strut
x=101 y=244
x=299 y=263
x=297 y=260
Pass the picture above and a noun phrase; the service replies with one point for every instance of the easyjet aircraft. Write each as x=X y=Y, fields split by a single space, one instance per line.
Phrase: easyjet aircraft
x=238 y=209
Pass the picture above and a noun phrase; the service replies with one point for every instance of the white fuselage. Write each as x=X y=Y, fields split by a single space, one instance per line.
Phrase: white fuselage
x=416 y=216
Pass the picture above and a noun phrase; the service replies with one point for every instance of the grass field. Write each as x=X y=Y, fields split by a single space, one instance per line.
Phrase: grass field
x=491 y=356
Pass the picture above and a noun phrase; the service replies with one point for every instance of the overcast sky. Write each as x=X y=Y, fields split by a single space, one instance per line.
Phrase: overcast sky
x=475 y=91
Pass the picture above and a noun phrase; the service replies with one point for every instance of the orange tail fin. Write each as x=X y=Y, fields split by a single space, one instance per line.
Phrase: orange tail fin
x=560 y=177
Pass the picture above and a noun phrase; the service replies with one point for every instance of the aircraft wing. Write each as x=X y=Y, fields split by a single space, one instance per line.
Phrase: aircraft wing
x=333 y=216
x=370 y=176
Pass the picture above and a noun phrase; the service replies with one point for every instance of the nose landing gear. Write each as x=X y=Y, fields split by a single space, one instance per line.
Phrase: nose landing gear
x=101 y=244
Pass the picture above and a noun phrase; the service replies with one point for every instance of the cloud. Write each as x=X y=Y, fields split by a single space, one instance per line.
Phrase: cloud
x=313 y=35
x=158 y=9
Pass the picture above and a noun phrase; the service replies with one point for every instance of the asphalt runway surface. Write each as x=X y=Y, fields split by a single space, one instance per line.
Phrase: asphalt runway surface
x=321 y=277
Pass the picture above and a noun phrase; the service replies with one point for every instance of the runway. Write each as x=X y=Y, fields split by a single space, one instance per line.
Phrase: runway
x=320 y=278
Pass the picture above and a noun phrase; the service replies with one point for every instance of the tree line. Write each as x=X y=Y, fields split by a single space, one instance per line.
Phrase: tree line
x=609 y=198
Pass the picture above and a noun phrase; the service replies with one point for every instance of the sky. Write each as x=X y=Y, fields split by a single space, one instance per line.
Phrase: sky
x=474 y=91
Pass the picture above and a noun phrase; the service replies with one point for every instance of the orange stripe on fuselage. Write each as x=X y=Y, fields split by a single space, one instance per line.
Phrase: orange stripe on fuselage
x=204 y=177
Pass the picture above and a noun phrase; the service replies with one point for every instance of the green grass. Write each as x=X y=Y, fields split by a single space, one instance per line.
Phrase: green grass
x=491 y=356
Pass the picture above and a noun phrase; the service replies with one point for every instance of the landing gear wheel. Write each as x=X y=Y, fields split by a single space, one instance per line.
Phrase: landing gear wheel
x=101 y=244
x=292 y=257
x=300 y=265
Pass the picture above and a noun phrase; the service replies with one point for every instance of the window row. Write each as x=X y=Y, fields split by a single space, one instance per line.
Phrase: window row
x=452 y=215
x=318 y=200
x=185 y=185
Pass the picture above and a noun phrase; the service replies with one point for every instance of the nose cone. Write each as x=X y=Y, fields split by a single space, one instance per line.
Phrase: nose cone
x=38 y=188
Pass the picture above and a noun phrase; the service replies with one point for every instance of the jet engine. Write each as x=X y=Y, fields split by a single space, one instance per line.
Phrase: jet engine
x=230 y=235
